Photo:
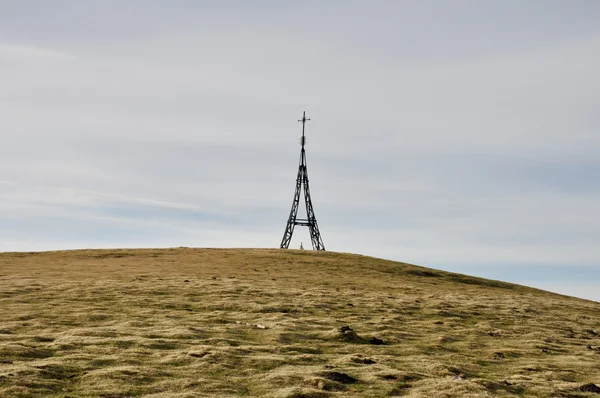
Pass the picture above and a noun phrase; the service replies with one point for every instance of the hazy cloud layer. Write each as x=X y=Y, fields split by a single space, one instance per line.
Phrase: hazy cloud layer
x=461 y=135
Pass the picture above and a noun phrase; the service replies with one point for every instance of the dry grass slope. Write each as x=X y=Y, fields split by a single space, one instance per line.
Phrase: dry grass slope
x=227 y=323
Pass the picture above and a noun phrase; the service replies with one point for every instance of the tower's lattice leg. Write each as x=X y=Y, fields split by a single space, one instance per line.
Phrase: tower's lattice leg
x=291 y=223
x=315 y=235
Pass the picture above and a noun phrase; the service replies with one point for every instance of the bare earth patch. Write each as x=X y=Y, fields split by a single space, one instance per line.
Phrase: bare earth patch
x=232 y=322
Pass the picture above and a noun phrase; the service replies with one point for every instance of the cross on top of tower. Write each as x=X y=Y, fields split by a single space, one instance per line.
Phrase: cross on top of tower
x=303 y=120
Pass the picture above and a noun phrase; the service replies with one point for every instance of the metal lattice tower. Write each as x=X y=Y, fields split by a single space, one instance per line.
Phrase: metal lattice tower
x=311 y=220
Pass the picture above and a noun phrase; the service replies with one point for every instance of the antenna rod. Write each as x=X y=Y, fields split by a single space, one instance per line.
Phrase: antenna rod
x=303 y=120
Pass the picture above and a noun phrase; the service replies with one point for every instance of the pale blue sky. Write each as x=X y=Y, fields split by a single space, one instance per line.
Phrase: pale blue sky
x=462 y=135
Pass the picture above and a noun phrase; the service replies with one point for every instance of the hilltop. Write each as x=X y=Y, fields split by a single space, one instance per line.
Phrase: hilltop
x=255 y=322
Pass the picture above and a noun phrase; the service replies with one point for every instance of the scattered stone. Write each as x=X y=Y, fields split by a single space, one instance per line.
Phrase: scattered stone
x=591 y=387
x=507 y=383
x=339 y=377
x=350 y=305
x=376 y=341
x=438 y=323
x=499 y=355
x=198 y=354
x=592 y=332
x=213 y=277
x=329 y=366
x=256 y=325
x=545 y=350
x=364 y=361
x=231 y=277
x=494 y=333
x=460 y=376
x=348 y=334
x=327 y=385
x=43 y=339
x=589 y=347
x=186 y=281
x=318 y=383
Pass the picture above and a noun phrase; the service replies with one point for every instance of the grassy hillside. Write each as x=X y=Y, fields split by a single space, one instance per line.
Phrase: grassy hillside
x=210 y=322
